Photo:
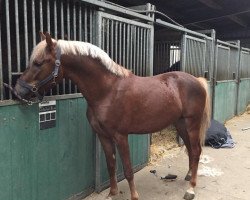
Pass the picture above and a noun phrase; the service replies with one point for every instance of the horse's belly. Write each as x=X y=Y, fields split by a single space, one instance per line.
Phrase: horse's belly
x=148 y=121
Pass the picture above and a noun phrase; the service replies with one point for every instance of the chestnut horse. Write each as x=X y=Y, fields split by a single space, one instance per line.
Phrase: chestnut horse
x=121 y=103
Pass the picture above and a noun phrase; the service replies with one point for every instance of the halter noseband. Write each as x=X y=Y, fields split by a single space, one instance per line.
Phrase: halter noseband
x=35 y=88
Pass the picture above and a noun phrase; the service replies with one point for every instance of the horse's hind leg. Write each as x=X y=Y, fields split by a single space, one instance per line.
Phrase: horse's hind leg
x=193 y=128
x=123 y=148
x=109 y=150
x=182 y=132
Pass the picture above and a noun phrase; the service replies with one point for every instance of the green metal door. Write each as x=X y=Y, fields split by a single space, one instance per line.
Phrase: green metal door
x=46 y=164
x=225 y=91
x=243 y=96
x=244 y=81
x=224 y=100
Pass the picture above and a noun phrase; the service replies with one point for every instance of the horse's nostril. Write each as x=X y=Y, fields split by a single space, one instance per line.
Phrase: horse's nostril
x=20 y=92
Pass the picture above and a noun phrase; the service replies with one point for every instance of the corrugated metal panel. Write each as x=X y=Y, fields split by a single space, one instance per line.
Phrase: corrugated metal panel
x=224 y=100
x=227 y=61
x=209 y=57
x=194 y=57
x=46 y=164
x=222 y=63
x=245 y=64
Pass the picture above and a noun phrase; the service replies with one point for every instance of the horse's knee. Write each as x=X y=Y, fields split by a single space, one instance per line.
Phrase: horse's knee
x=111 y=169
x=129 y=175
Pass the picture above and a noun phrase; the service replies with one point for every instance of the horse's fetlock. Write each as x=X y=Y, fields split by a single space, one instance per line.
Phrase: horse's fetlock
x=192 y=183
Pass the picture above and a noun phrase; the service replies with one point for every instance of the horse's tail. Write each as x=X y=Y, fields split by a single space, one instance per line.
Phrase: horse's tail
x=206 y=118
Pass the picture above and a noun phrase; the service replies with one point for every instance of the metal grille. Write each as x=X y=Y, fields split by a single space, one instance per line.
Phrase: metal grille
x=127 y=42
x=166 y=54
x=234 y=63
x=227 y=61
x=222 y=62
x=245 y=64
x=20 y=25
x=209 y=58
x=195 y=56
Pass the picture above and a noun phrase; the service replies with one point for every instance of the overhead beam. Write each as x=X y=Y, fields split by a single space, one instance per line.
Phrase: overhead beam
x=219 y=17
x=234 y=34
x=198 y=26
x=211 y=4
x=234 y=18
x=238 y=20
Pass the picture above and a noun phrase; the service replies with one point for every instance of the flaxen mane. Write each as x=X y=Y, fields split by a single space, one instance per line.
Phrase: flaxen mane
x=84 y=49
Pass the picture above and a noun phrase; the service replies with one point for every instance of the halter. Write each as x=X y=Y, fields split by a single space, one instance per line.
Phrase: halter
x=35 y=88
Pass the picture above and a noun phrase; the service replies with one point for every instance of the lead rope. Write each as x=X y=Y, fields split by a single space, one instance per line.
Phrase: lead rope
x=17 y=95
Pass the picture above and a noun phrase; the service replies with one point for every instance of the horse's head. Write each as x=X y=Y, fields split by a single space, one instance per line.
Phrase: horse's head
x=43 y=70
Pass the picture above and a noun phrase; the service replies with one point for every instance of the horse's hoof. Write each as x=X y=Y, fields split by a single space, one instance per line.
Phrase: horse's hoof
x=189 y=196
x=113 y=192
x=135 y=196
x=188 y=177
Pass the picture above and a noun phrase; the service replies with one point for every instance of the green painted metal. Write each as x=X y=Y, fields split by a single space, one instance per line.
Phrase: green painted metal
x=243 y=95
x=46 y=164
x=139 y=155
x=224 y=100
x=55 y=163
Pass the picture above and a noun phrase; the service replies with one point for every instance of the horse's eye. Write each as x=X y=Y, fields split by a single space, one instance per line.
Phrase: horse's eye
x=37 y=63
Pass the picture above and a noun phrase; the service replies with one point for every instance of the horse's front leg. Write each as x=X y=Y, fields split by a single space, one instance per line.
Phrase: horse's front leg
x=110 y=154
x=109 y=150
x=123 y=148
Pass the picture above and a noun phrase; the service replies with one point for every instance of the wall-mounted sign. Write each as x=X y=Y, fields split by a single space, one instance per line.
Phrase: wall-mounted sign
x=47 y=114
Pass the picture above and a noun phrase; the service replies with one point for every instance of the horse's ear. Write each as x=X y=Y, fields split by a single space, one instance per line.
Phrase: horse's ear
x=42 y=36
x=49 y=41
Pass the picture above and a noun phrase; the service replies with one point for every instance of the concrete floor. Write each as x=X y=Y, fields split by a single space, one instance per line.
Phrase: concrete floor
x=230 y=169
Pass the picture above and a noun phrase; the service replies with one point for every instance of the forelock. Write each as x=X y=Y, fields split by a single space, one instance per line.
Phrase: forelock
x=39 y=50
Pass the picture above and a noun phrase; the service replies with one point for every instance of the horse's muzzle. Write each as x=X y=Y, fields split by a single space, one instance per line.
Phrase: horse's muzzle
x=22 y=92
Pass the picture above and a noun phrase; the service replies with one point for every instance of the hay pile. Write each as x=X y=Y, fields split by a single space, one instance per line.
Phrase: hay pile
x=164 y=143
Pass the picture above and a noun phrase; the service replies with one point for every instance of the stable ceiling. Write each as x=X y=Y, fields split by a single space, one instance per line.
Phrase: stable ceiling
x=230 y=18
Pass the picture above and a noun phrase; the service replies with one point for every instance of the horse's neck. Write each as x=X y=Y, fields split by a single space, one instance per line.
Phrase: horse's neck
x=93 y=80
